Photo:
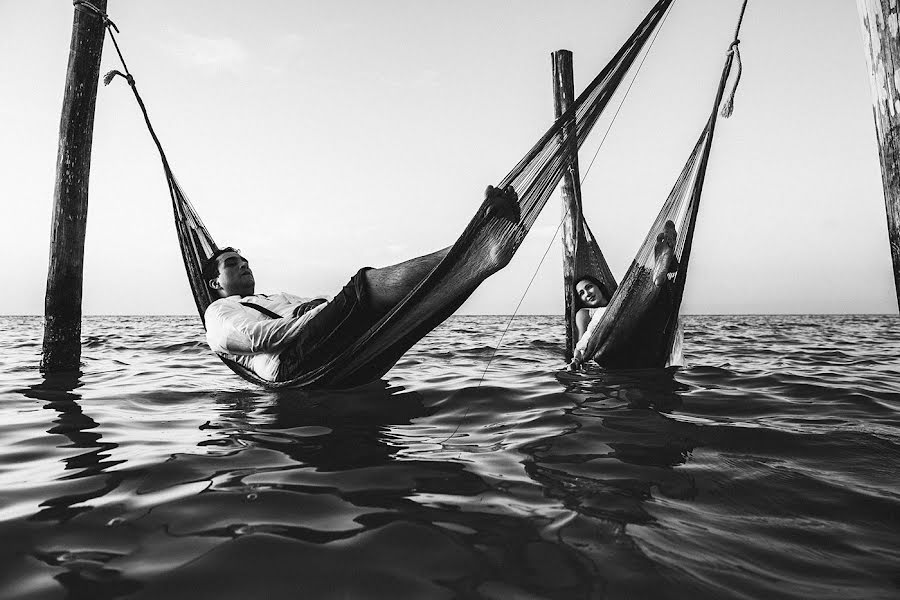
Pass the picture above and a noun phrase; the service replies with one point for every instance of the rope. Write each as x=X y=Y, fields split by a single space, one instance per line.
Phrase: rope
x=110 y=75
x=734 y=50
x=502 y=335
x=704 y=159
x=583 y=178
x=728 y=105
x=737 y=28
x=558 y=227
x=625 y=95
x=86 y=7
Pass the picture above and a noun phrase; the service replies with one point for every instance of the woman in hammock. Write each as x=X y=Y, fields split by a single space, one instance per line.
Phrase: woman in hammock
x=594 y=297
x=591 y=293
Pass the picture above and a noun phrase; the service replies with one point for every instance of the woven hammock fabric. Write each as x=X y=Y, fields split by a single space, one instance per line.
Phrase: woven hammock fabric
x=588 y=261
x=486 y=245
x=638 y=327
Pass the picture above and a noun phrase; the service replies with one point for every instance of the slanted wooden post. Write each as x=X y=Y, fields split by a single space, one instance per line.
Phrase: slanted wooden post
x=563 y=96
x=880 y=34
x=62 y=305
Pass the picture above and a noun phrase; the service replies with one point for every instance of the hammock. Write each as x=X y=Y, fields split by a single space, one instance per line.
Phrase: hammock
x=638 y=327
x=589 y=261
x=469 y=260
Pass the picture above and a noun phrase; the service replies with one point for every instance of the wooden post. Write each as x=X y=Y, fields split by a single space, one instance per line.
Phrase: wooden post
x=880 y=34
x=563 y=96
x=62 y=305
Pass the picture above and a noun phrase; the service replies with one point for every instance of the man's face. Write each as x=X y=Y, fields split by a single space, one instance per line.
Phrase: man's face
x=235 y=276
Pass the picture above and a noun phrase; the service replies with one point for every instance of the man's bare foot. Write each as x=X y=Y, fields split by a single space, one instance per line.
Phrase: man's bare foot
x=665 y=261
x=495 y=240
x=502 y=203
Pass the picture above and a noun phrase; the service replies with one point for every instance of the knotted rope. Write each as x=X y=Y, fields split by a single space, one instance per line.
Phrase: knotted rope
x=735 y=53
x=728 y=105
x=86 y=6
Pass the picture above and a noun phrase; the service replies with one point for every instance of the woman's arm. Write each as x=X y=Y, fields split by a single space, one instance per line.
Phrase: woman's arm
x=582 y=318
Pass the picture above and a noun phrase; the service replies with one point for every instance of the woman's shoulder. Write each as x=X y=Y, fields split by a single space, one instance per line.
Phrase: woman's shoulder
x=584 y=315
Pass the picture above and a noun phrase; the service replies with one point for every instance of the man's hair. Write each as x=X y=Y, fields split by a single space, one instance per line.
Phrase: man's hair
x=599 y=285
x=211 y=266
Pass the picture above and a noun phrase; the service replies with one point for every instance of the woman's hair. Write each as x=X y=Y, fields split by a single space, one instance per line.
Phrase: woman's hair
x=599 y=284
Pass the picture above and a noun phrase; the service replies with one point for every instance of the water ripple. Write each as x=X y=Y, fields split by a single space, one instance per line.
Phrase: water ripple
x=765 y=468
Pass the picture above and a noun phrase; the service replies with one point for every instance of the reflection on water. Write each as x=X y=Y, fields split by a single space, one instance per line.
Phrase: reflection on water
x=766 y=470
x=57 y=391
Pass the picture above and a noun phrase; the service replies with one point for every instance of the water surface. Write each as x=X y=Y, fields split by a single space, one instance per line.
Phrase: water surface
x=768 y=468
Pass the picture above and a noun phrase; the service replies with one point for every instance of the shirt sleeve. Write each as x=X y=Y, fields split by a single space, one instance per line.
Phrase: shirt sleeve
x=236 y=329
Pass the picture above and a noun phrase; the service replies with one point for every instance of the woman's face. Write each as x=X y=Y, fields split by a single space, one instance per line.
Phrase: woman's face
x=589 y=294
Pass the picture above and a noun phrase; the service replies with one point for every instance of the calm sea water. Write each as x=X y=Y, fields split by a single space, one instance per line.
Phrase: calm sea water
x=768 y=468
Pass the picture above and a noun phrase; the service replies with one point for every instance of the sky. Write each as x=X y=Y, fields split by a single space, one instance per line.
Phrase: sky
x=319 y=137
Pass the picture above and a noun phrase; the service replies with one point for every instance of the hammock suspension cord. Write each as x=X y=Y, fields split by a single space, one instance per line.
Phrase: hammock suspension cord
x=622 y=103
x=90 y=8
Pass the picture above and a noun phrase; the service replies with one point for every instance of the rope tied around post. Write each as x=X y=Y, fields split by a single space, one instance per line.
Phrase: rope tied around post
x=85 y=6
x=126 y=75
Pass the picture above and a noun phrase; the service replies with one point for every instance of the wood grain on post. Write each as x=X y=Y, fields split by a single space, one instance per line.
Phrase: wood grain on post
x=563 y=96
x=880 y=33
x=62 y=304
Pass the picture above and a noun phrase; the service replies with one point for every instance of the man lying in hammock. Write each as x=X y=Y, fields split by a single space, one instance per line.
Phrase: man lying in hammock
x=277 y=335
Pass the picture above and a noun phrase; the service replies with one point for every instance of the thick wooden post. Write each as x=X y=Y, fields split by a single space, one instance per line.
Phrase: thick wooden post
x=62 y=305
x=563 y=96
x=880 y=34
